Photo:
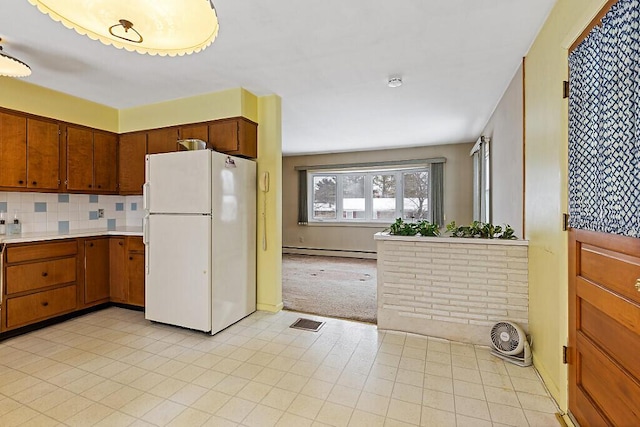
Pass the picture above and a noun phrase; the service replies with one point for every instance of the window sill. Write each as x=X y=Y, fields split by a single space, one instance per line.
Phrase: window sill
x=349 y=224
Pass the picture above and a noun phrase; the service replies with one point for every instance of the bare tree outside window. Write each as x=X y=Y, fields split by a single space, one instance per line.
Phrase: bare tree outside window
x=416 y=195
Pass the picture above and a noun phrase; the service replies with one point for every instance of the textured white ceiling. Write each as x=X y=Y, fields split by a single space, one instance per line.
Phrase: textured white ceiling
x=329 y=61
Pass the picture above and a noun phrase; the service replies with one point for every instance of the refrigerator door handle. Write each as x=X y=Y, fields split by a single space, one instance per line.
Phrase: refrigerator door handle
x=145 y=230
x=145 y=196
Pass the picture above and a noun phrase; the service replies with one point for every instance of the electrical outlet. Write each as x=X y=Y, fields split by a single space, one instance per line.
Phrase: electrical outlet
x=100 y=213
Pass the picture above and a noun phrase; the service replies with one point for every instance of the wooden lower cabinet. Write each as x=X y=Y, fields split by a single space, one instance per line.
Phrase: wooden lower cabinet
x=40 y=282
x=47 y=279
x=96 y=273
x=127 y=270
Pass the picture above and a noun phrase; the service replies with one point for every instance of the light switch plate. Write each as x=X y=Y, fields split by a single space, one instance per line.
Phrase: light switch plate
x=100 y=213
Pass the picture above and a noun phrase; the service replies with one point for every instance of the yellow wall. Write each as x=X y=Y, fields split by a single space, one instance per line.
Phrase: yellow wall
x=200 y=108
x=270 y=160
x=20 y=95
x=546 y=130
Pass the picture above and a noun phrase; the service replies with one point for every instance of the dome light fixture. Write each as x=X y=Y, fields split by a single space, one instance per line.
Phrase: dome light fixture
x=12 y=67
x=169 y=27
x=394 y=82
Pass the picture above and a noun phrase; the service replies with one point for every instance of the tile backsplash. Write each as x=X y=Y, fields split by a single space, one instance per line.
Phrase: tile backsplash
x=40 y=212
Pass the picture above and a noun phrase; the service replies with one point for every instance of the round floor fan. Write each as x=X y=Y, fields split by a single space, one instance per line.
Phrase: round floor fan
x=510 y=343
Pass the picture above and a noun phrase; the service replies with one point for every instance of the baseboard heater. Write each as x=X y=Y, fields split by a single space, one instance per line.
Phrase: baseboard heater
x=329 y=252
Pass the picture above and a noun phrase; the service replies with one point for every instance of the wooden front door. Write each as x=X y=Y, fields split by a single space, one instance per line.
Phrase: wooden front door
x=604 y=329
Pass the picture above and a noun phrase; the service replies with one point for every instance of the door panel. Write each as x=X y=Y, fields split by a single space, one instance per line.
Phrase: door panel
x=178 y=273
x=133 y=148
x=604 y=328
x=105 y=146
x=79 y=159
x=43 y=154
x=13 y=150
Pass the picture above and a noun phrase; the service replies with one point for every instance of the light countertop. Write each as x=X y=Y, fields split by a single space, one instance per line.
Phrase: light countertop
x=72 y=234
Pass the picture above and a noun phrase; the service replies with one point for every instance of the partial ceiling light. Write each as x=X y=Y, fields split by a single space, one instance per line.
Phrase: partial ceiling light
x=168 y=27
x=12 y=67
x=394 y=82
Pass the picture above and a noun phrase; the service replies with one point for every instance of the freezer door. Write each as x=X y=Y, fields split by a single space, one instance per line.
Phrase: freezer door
x=178 y=182
x=178 y=273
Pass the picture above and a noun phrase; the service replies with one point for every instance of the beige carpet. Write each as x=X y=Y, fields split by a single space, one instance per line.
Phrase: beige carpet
x=330 y=286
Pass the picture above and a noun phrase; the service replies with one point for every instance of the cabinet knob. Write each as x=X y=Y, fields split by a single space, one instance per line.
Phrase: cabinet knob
x=99 y=186
x=90 y=245
x=34 y=183
x=21 y=182
x=45 y=303
x=45 y=274
x=121 y=244
x=89 y=185
x=130 y=258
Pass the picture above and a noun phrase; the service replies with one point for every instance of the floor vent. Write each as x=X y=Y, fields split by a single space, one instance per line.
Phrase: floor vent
x=307 y=325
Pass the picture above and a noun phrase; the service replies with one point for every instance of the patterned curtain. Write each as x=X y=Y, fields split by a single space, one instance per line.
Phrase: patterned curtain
x=604 y=125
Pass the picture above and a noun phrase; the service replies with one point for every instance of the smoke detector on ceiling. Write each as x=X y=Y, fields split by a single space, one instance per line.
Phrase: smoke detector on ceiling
x=394 y=82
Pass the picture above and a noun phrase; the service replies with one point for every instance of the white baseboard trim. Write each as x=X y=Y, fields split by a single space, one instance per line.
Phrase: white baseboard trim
x=329 y=252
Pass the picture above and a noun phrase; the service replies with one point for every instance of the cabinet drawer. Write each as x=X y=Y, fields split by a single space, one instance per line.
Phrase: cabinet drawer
x=135 y=244
x=39 y=306
x=41 y=250
x=26 y=277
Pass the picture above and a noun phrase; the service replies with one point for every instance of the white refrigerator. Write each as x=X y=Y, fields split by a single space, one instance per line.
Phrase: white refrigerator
x=200 y=237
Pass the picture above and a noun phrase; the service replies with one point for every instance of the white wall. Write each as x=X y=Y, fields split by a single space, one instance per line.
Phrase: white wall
x=458 y=171
x=505 y=128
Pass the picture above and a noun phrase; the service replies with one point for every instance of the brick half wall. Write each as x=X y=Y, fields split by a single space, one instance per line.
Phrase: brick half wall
x=451 y=288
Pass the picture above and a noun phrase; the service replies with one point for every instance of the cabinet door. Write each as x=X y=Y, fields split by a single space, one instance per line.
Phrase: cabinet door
x=105 y=152
x=223 y=136
x=96 y=280
x=162 y=141
x=133 y=147
x=79 y=159
x=200 y=132
x=135 y=276
x=13 y=150
x=43 y=154
x=247 y=138
x=117 y=275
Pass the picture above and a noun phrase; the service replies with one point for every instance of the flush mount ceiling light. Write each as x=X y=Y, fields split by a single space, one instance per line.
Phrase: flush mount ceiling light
x=169 y=27
x=394 y=82
x=12 y=67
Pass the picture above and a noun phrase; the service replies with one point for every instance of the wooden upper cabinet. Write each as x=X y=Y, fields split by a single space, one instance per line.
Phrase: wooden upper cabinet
x=43 y=154
x=79 y=159
x=133 y=148
x=105 y=154
x=13 y=150
x=236 y=136
x=162 y=140
x=91 y=160
x=200 y=132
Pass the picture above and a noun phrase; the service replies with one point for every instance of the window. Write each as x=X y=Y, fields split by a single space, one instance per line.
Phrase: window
x=481 y=180
x=370 y=195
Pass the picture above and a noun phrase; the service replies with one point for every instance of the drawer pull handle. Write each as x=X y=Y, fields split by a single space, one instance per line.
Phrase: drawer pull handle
x=45 y=303
x=638 y=284
x=45 y=274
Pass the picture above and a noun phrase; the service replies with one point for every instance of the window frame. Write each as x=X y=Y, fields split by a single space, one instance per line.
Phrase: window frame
x=368 y=173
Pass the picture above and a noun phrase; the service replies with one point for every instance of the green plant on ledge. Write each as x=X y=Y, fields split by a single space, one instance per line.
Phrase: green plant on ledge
x=481 y=230
x=424 y=228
